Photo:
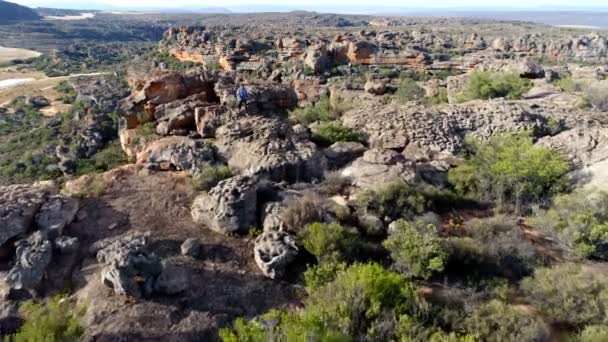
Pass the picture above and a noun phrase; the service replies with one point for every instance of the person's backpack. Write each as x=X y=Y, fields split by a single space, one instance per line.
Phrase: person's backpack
x=242 y=93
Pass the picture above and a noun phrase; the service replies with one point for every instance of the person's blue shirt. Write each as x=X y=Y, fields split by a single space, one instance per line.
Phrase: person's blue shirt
x=242 y=94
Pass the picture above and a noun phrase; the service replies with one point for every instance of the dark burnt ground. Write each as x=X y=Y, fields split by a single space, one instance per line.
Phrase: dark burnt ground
x=224 y=283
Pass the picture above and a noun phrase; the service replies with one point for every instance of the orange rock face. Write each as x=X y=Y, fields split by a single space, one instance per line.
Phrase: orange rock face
x=187 y=56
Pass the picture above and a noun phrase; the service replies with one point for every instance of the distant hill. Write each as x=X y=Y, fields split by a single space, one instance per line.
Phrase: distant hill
x=10 y=11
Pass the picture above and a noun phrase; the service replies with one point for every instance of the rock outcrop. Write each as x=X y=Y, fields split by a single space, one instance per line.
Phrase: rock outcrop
x=130 y=268
x=33 y=255
x=273 y=252
x=268 y=146
x=230 y=207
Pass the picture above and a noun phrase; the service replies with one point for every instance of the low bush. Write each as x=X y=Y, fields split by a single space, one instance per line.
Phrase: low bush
x=326 y=109
x=441 y=97
x=323 y=273
x=209 y=176
x=397 y=199
x=363 y=303
x=106 y=159
x=326 y=241
x=581 y=221
x=67 y=93
x=56 y=320
x=487 y=85
x=569 y=294
x=331 y=132
x=510 y=171
x=299 y=213
x=416 y=248
x=495 y=321
x=408 y=90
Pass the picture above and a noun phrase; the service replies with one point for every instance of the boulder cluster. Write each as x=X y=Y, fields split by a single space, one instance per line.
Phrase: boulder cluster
x=33 y=218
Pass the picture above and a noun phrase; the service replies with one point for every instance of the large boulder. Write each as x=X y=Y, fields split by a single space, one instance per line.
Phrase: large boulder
x=375 y=87
x=317 y=58
x=150 y=91
x=229 y=207
x=179 y=153
x=377 y=167
x=342 y=153
x=209 y=118
x=18 y=207
x=177 y=117
x=33 y=256
x=130 y=268
x=273 y=252
x=56 y=214
x=267 y=146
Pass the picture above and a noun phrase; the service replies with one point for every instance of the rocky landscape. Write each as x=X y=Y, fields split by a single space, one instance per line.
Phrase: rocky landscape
x=348 y=199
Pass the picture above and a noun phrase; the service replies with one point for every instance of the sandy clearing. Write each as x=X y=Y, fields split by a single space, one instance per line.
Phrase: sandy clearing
x=13 y=82
x=8 y=54
x=40 y=87
x=71 y=17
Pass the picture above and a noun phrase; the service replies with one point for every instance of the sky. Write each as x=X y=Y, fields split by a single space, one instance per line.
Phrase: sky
x=545 y=4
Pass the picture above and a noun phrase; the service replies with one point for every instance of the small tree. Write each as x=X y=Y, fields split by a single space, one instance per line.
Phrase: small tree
x=416 y=247
x=509 y=169
x=487 y=85
x=325 y=240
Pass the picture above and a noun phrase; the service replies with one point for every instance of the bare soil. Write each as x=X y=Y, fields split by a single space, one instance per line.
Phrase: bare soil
x=224 y=284
x=10 y=54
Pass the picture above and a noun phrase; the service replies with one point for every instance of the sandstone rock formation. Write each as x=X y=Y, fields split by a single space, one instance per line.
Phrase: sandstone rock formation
x=130 y=268
x=230 y=207
x=273 y=252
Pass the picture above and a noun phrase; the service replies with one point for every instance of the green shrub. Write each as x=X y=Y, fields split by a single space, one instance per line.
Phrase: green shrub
x=487 y=85
x=331 y=132
x=594 y=333
x=441 y=97
x=326 y=109
x=106 y=159
x=569 y=293
x=408 y=90
x=323 y=273
x=395 y=200
x=209 y=176
x=68 y=93
x=416 y=247
x=509 y=169
x=54 y=321
x=364 y=303
x=581 y=221
x=325 y=240
x=496 y=321
x=504 y=246
x=568 y=85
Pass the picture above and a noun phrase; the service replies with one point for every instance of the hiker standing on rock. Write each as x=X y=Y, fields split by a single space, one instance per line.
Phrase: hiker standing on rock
x=242 y=95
